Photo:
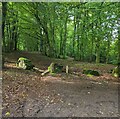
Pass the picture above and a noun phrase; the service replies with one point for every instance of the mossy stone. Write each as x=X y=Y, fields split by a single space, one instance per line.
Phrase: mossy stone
x=55 y=68
x=91 y=72
x=58 y=68
x=24 y=63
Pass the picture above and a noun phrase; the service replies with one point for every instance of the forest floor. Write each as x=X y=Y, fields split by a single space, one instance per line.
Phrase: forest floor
x=27 y=94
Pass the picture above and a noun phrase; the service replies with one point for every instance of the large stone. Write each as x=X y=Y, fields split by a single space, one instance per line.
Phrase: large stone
x=24 y=63
x=55 y=68
x=91 y=72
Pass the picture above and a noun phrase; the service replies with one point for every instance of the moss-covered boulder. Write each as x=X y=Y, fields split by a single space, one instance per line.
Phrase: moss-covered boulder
x=91 y=72
x=58 y=67
x=115 y=72
x=110 y=71
x=55 y=68
x=24 y=63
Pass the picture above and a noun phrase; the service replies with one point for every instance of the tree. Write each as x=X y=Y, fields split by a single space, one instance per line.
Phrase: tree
x=4 y=12
x=85 y=31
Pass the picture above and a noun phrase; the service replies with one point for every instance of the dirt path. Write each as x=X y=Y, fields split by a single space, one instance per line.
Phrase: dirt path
x=27 y=94
x=84 y=98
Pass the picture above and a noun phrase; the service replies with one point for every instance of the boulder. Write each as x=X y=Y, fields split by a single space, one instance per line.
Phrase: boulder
x=24 y=63
x=58 y=67
x=55 y=68
x=91 y=72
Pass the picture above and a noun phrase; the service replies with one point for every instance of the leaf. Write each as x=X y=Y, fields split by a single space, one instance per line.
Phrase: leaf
x=7 y=114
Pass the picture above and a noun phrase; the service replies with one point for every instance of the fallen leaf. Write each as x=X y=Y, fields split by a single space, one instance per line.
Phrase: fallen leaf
x=7 y=114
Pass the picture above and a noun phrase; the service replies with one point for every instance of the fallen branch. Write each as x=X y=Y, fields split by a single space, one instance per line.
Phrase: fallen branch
x=45 y=72
x=37 y=69
x=42 y=71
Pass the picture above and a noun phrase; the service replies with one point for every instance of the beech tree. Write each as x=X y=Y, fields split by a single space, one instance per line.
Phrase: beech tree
x=84 y=31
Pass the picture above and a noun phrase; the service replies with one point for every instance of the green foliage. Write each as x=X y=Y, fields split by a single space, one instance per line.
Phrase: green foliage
x=86 y=32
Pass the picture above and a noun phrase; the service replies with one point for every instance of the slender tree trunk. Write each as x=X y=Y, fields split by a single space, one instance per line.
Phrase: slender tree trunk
x=91 y=52
x=4 y=12
x=46 y=34
x=98 y=41
x=52 y=52
x=119 y=52
x=41 y=40
x=98 y=35
x=61 y=40
x=118 y=41
x=97 y=52
x=118 y=47
x=78 y=43
x=78 y=40
x=108 y=49
x=9 y=37
x=65 y=37
x=73 y=50
x=16 y=33
x=14 y=37
x=15 y=42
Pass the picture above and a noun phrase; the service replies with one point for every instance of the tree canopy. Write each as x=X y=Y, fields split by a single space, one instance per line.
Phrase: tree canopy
x=84 y=31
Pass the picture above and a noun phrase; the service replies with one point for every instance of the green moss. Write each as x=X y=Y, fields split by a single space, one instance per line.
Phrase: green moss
x=53 y=74
x=51 y=68
x=91 y=72
x=24 y=63
x=24 y=59
x=55 y=68
x=89 y=75
x=115 y=72
x=115 y=75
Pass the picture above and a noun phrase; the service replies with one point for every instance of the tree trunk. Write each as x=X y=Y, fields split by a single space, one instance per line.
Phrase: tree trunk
x=73 y=51
x=97 y=52
x=78 y=56
x=92 y=43
x=119 y=52
x=61 y=41
x=65 y=37
x=4 y=12
x=108 y=49
x=118 y=41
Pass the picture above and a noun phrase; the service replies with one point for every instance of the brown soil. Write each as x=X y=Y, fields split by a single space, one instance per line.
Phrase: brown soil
x=27 y=94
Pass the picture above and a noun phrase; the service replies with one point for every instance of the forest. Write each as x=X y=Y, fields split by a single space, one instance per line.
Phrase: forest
x=84 y=31
x=60 y=59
